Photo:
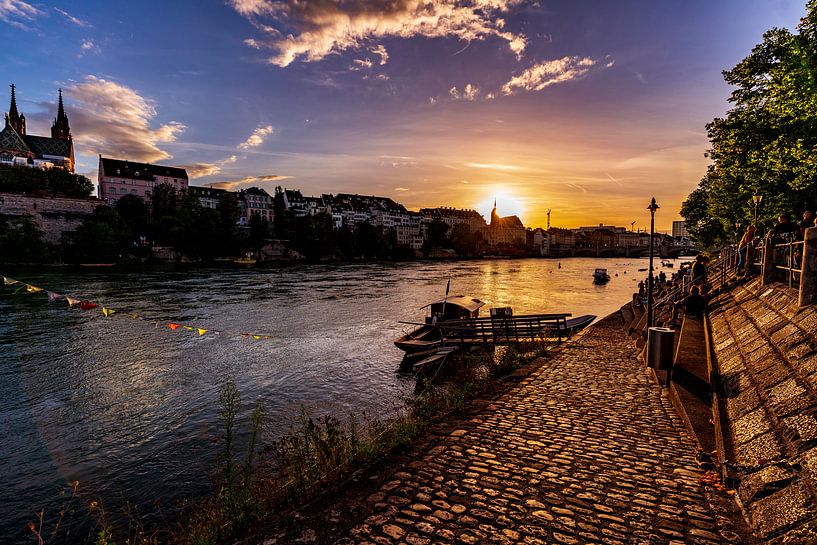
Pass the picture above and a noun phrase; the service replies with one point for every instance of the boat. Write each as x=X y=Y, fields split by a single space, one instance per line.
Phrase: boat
x=426 y=339
x=574 y=325
x=600 y=276
x=668 y=264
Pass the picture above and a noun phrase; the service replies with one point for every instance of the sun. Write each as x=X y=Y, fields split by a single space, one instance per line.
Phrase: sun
x=506 y=204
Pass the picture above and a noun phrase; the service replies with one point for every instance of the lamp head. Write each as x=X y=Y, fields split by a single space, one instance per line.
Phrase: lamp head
x=757 y=198
x=653 y=206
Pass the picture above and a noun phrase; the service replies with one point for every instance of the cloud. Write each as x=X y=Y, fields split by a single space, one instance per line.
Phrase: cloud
x=232 y=185
x=199 y=170
x=361 y=64
x=469 y=92
x=256 y=138
x=11 y=11
x=382 y=53
x=115 y=120
x=71 y=19
x=310 y=31
x=493 y=166
x=401 y=189
x=88 y=46
x=548 y=73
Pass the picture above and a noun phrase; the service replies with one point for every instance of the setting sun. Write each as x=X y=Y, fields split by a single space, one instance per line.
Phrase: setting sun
x=506 y=205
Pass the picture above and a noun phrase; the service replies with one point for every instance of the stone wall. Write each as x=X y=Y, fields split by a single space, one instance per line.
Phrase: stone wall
x=765 y=351
x=55 y=215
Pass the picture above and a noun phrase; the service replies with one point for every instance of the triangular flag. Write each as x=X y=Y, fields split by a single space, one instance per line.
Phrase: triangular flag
x=134 y=316
x=201 y=331
x=174 y=327
x=71 y=301
x=10 y=281
x=108 y=311
x=32 y=289
x=87 y=305
x=266 y=337
x=188 y=327
x=256 y=337
x=245 y=335
x=53 y=296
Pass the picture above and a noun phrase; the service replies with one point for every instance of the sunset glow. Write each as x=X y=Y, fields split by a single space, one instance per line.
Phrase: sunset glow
x=588 y=111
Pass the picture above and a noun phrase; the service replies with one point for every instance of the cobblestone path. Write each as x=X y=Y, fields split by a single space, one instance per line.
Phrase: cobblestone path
x=585 y=450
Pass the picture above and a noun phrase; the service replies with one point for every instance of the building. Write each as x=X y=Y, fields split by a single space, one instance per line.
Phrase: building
x=454 y=216
x=19 y=148
x=118 y=178
x=506 y=231
x=208 y=196
x=302 y=206
x=679 y=229
x=256 y=202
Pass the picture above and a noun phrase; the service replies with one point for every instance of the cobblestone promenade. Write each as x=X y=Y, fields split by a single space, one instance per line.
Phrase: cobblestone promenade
x=584 y=450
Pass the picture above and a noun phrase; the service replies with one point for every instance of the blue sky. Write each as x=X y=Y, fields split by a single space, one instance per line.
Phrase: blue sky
x=584 y=107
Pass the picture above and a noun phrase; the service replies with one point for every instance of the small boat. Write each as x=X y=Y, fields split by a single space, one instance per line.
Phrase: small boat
x=426 y=339
x=574 y=325
x=668 y=264
x=600 y=276
x=245 y=261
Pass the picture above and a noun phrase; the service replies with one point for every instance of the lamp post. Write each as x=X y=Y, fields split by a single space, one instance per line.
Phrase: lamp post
x=737 y=239
x=756 y=198
x=652 y=208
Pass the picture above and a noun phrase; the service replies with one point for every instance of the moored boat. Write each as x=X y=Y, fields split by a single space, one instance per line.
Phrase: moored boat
x=600 y=276
x=426 y=338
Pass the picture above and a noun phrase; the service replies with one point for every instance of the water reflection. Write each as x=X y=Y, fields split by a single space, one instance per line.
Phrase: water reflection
x=121 y=406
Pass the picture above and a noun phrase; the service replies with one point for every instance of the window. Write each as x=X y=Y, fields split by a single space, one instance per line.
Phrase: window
x=122 y=191
x=133 y=191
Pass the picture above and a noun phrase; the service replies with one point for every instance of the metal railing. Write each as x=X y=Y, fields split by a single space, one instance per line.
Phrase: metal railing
x=788 y=257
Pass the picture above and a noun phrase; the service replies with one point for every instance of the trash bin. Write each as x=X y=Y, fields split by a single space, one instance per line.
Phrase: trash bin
x=660 y=347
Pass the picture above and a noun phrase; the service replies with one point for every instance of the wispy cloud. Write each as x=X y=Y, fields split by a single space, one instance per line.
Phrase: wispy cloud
x=112 y=119
x=310 y=31
x=88 y=47
x=545 y=74
x=256 y=138
x=199 y=170
x=493 y=166
x=74 y=20
x=401 y=189
x=247 y=181
x=469 y=92
x=14 y=12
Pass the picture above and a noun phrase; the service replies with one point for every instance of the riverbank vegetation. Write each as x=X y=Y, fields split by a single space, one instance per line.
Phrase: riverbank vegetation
x=767 y=142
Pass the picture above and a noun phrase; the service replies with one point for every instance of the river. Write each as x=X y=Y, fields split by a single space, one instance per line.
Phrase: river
x=129 y=408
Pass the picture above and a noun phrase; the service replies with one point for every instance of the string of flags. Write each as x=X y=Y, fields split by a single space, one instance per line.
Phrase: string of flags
x=107 y=312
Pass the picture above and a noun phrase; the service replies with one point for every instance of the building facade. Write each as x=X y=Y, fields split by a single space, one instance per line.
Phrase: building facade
x=255 y=202
x=19 y=148
x=679 y=229
x=118 y=178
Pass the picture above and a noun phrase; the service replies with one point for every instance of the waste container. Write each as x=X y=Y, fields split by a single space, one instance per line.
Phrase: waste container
x=660 y=347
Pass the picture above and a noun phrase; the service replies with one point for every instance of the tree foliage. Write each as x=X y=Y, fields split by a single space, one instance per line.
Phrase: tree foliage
x=56 y=181
x=767 y=142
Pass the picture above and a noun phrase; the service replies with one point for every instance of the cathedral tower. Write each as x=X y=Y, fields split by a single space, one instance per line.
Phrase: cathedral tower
x=17 y=121
x=60 y=128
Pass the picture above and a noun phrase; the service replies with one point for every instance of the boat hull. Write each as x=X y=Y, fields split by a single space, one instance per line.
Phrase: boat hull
x=423 y=340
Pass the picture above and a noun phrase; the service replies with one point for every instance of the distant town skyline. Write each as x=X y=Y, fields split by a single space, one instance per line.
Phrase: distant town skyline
x=588 y=110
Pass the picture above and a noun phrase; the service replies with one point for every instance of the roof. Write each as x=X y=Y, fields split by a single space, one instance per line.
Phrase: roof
x=10 y=140
x=139 y=171
x=205 y=191
x=468 y=303
x=45 y=145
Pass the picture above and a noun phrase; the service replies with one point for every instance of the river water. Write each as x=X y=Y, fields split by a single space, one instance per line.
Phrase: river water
x=129 y=409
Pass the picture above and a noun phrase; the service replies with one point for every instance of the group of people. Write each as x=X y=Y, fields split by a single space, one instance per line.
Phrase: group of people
x=670 y=290
x=784 y=229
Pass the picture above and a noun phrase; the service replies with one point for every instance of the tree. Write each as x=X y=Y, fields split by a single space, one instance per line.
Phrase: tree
x=21 y=241
x=436 y=238
x=767 y=142
x=134 y=212
x=57 y=181
x=103 y=237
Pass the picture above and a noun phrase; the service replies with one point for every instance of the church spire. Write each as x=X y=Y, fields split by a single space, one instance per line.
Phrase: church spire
x=17 y=121
x=494 y=215
x=60 y=128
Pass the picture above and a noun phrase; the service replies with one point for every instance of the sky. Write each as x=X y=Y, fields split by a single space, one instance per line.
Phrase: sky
x=585 y=108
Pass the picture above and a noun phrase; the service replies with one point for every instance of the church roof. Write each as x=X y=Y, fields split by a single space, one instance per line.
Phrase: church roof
x=43 y=145
x=139 y=171
x=10 y=140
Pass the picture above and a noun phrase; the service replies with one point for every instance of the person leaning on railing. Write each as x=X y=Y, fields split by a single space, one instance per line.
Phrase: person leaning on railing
x=743 y=249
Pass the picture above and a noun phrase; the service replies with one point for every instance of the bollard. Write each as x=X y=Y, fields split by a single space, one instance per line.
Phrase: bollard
x=660 y=349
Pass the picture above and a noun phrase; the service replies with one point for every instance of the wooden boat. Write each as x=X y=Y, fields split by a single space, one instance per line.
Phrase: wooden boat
x=426 y=338
x=574 y=325
x=668 y=264
x=245 y=261
x=600 y=276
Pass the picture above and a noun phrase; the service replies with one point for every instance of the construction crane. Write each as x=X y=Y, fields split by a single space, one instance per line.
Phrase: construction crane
x=632 y=226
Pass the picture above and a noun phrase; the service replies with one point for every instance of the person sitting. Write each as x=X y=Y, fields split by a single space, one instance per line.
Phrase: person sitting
x=694 y=304
x=784 y=226
x=808 y=221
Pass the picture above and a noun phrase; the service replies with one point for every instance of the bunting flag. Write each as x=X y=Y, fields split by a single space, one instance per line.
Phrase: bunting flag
x=108 y=312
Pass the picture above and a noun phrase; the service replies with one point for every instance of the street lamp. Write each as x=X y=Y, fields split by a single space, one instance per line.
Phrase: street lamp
x=756 y=198
x=652 y=208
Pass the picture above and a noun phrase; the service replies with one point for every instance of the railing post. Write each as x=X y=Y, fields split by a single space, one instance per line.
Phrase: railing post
x=808 y=269
x=767 y=263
